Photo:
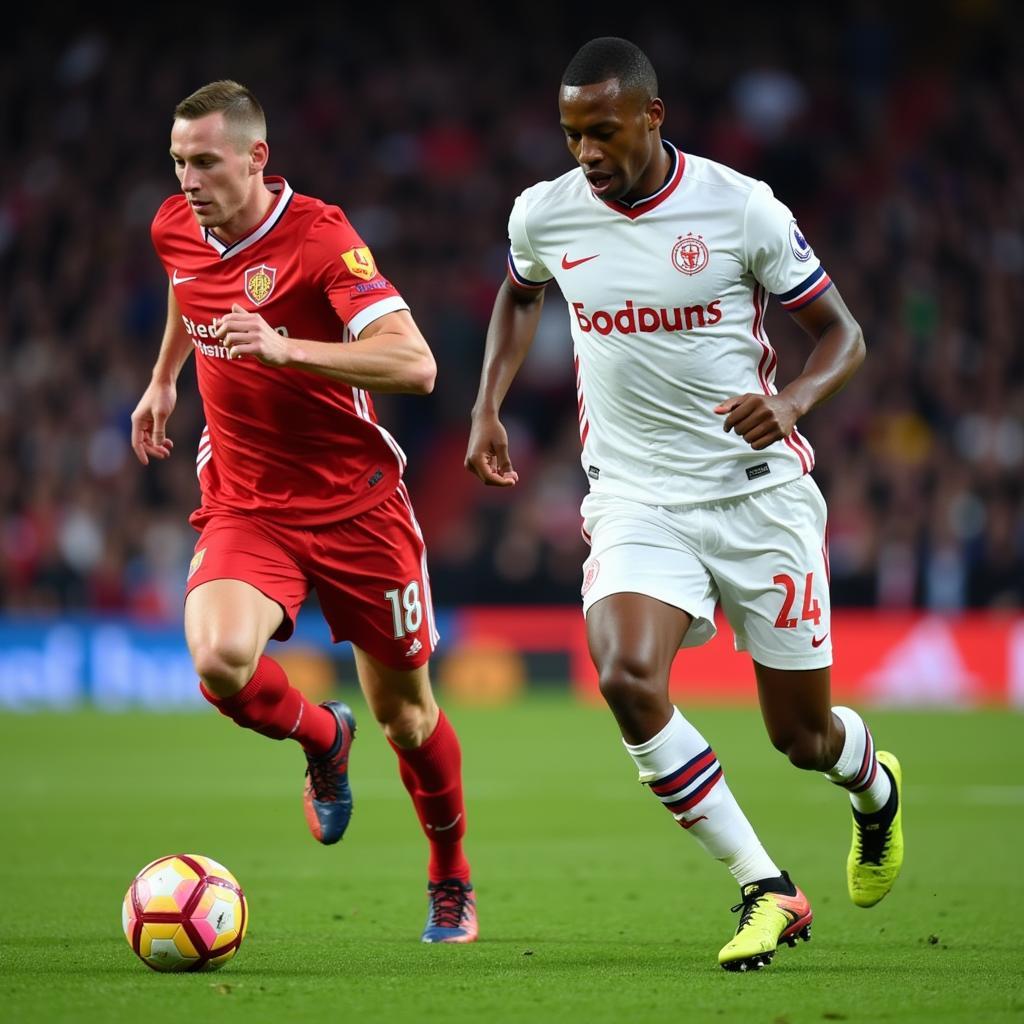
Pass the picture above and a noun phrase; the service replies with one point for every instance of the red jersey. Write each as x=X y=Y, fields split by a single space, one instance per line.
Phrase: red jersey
x=291 y=445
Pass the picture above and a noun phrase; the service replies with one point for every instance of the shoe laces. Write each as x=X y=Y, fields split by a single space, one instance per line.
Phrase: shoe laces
x=872 y=843
x=447 y=903
x=746 y=909
x=756 y=900
x=323 y=776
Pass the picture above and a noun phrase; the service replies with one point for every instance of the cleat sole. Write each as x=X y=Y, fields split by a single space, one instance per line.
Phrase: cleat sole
x=750 y=963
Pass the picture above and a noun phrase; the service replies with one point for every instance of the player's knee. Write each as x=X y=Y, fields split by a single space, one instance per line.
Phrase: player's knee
x=804 y=749
x=224 y=667
x=407 y=725
x=627 y=682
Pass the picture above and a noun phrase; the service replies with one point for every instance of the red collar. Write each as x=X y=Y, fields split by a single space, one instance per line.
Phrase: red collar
x=648 y=203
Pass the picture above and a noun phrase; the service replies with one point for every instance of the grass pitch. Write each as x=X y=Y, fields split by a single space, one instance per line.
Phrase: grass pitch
x=594 y=905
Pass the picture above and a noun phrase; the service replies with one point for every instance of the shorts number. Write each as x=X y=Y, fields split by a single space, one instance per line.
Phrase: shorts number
x=811 y=609
x=406 y=609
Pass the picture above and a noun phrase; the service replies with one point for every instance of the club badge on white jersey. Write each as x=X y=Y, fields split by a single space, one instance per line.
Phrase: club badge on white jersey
x=666 y=305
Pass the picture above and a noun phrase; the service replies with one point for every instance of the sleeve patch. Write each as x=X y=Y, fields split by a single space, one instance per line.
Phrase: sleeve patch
x=360 y=263
x=800 y=246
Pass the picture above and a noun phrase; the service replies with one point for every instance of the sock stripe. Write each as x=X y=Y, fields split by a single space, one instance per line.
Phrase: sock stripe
x=688 y=785
x=868 y=767
x=687 y=803
x=683 y=775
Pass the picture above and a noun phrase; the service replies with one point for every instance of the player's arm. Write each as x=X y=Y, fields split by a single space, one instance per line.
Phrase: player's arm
x=510 y=334
x=390 y=353
x=157 y=403
x=838 y=351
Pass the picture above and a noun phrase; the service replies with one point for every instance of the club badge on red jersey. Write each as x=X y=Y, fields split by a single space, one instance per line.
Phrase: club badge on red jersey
x=259 y=283
x=197 y=560
x=690 y=254
x=360 y=262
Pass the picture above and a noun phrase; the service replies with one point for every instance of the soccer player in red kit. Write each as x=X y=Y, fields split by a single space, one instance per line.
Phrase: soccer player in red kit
x=292 y=326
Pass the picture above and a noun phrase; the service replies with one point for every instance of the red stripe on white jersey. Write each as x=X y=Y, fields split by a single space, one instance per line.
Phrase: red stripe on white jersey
x=765 y=368
x=790 y=443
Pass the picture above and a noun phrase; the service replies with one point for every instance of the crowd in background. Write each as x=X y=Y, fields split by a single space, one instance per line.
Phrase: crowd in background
x=899 y=149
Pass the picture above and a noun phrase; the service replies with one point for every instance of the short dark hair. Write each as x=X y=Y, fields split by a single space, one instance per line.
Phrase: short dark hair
x=242 y=111
x=611 y=57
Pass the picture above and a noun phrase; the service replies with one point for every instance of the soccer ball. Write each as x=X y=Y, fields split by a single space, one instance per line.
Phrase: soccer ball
x=184 y=913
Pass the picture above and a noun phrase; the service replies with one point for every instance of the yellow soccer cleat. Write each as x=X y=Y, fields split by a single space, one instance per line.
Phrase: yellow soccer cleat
x=876 y=854
x=767 y=919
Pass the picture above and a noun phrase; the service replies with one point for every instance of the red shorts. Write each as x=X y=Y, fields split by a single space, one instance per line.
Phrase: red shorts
x=369 y=573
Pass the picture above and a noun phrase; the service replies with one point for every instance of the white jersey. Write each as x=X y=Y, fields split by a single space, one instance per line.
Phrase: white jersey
x=666 y=309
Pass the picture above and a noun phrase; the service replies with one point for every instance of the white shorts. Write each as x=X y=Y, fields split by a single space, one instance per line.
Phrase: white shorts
x=762 y=555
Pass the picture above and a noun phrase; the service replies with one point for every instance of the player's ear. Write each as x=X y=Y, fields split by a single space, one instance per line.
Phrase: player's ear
x=259 y=154
x=655 y=114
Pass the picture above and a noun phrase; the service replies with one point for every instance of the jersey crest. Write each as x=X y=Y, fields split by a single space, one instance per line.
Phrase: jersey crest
x=259 y=283
x=690 y=255
x=360 y=262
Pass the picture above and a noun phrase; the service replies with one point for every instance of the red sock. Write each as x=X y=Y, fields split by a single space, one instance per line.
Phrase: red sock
x=432 y=773
x=270 y=705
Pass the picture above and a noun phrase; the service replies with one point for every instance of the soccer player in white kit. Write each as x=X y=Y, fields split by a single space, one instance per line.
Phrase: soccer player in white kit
x=699 y=480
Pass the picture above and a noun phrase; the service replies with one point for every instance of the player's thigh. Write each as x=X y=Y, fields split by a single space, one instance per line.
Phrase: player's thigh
x=771 y=566
x=645 y=587
x=400 y=700
x=370 y=574
x=229 y=619
x=244 y=587
x=633 y=637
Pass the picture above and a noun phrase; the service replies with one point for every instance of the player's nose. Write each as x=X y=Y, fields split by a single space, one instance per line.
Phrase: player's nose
x=590 y=155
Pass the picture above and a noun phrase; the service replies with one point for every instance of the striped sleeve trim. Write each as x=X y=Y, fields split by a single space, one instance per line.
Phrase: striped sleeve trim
x=806 y=292
x=365 y=317
x=521 y=281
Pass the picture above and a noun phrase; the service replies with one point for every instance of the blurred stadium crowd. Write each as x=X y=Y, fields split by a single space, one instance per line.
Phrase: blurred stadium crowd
x=901 y=154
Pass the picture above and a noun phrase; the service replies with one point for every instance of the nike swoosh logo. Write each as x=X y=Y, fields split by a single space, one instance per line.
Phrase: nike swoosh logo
x=568 y=264
x=444 y=828
x=175 y=280
x=692 y=821
x=815 y=642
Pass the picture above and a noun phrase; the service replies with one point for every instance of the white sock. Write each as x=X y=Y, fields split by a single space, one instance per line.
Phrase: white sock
x=684 y=774
x=857 y=768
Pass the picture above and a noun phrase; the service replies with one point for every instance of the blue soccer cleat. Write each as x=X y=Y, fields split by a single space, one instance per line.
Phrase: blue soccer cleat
x=451 y=916
x=327 y=797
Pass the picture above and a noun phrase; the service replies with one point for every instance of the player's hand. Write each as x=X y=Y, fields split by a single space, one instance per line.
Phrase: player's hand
x=760 y=420
x=487 y=454
x=149 y=421
x=248 y=334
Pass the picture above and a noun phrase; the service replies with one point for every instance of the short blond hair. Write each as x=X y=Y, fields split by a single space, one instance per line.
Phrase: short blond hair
x=242 y=111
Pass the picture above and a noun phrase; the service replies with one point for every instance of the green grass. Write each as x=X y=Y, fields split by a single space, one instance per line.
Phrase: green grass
x=594 y=906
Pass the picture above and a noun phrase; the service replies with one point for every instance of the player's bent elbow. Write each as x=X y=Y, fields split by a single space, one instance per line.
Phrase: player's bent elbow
x=860 y=349
x=426 y=375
